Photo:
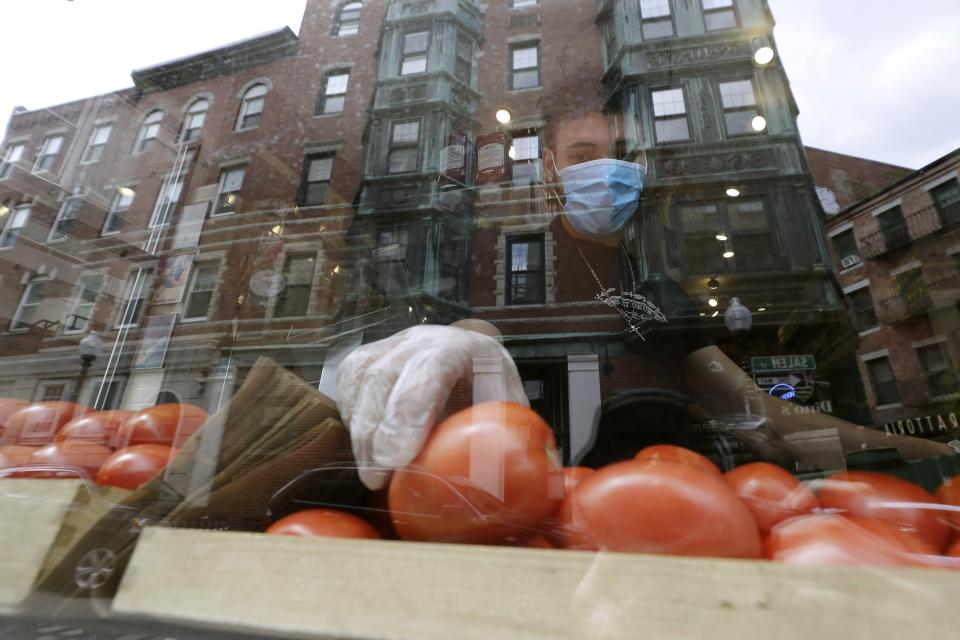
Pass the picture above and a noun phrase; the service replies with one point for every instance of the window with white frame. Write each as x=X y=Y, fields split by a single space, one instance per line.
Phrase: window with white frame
x=670 y=115
x=404 y=145
x=719 y=14
x=525 y=66
x=11 y=156
x=228 y=190
x=883 y=382
x=16 y=220
x=193 y=121
x=348 y=19
x=149 y=130
x=98 y=141
x=134 y=298
x=334 y=93
x=294 y=298
x=166 y=201
x=117 y=213
x=84 y=302
x=525 y=157
x=251 y=107
x=28 y=310
x=317 y=171
x=740 y=113
x=936 y=368
x=203 y=281
x=48 y=153
x=414 y=55
x=66 y=216
x=656 y=19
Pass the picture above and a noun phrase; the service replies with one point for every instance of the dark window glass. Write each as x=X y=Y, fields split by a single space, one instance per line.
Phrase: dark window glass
x=202 y=283
x=936 y=367
x=525 y=276
x=864 y=315
x=913 y=290
x=463 y=66
x=946 y=198
x=316 y=179
x=884 y=384
x=895 y=231
x=414 y=58
x=846 y=247
x=404 y=145
x=294 y=297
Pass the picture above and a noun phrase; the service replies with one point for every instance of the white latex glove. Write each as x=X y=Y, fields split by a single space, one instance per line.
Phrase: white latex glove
x=392 y=391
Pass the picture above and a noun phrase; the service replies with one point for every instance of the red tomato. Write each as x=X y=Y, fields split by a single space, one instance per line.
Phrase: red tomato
x=659 y=507
x=8 y=407
x=15 y=455
x=867 y=494
x=771 y=493
x=84 y=455
x=673 y=453
x=166 y=424
x=38 y=424
x=99 y=427
x=538 y=542
x=487 y=474
x=948 y=494
x=572 y=476
x=131 y=467
x=326 y=523
x=829 y=539
x=954 y=550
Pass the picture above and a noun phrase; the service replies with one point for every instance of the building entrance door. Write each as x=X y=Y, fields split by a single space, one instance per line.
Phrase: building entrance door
x=546 y=385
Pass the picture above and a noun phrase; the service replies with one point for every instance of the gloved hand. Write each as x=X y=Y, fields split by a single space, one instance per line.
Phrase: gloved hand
x=392 y=391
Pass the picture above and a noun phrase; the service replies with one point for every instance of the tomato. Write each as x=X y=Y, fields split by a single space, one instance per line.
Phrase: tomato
x=326 y=523
x=655 y=506
x=131 y=467
x=673 y=453
x=8 y=407
x=954 y=550
x=868 y=494
x=99 y=427
x=166 y=424
x=948 y=494
x=83 y=455
x=15 y=455
x=771 y=493
x=830 y=539
x=38 y=423
x=538 y=542
x=487 y=474
x=572 y=476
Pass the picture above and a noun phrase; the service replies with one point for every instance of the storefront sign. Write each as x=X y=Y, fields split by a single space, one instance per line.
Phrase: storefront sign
x=783 y=363
x=925 y=426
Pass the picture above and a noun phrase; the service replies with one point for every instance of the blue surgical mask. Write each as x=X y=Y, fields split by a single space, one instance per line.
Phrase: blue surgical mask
x=601 y=195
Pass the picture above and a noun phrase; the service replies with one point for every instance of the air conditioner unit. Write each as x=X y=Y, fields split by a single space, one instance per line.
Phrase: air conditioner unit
x=849 y=261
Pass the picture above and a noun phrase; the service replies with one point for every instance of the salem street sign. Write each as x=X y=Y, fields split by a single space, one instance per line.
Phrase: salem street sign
x=763 y=364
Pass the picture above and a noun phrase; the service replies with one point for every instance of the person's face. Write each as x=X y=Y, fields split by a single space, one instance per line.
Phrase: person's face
x=581 y=139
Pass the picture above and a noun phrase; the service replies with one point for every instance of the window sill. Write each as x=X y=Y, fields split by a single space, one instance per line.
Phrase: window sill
x=194 y=320
x=56 y=240
x=328 y=115
x=223 y=214
x=859 y=265
x=110 y=234
x=892 y=405
x=246 y=129
x=527 y=90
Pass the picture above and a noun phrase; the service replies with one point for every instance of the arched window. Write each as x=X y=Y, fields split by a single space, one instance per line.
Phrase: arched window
x=348 y=19
x=252 y=107
x=193 y=122
x=149 y=130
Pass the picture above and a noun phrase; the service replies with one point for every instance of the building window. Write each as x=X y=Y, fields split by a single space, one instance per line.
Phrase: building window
x=414 y=58
x=134 y=298
x=27 y=312
x=193 y=122
x=525 y=158
x=149 y=131
x=166 y=201
x=884 y=384
x=203 y=281
x=51 y=391
x=894 y=228
x=294 y=298
x=656 y=19
x=48 y=153
x=16 y=221
x=739 y=107
x=845 y=245
x=251 y=107
x=936 y=368
x=747 y=228
x=946 y=198
x=525 y=66
x=98 y=140
x=117 y=213
x=913 y=291
x=525 y=275
x=334 y=93
x=348 y=19
x=65 y=219
x=84 y=303
x=316 y=179
x=719 y=14
x=463 y=66
x=519 y=4
x=864 y=315
x=228 y=192
x=11 y=156
x=670 y=115
x=404 y=144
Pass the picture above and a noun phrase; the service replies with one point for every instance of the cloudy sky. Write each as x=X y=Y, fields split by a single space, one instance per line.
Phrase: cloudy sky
x=873 y=78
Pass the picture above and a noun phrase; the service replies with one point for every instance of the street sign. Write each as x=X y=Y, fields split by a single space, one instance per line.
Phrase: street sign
x=787 y=386
x=763 y=364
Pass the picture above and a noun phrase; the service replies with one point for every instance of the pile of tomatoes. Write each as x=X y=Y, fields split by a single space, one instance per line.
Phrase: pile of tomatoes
x=491 y=474
x=116 y=448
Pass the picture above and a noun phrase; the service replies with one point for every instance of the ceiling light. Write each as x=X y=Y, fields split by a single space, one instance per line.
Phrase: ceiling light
x=713 y=284
x=728 y=254
x=702 y=314
x=503 y=116
x=715 y=314
x=336 y=269
x=761 y=309
x=126 y=191
x=759 y=123
x=722 y=237
x=712 y=302
x=764 y=55
x=733 y=192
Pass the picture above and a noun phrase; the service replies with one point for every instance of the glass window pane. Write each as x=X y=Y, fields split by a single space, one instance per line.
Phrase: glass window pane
x=717 y=20
x=415 y=42
x=674 y=129
x=334 y=104
x=337 y=83
x=526 y=79
x=654 y=8
x=403 y=160
x=525 y=58
x=406 y=132
x=526 y=148
x=320 y=169
x=657 y=29
x=668 y=102
x=413 y=65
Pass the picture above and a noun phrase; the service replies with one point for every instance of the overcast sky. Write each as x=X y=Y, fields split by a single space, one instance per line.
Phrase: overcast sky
x=873 y=78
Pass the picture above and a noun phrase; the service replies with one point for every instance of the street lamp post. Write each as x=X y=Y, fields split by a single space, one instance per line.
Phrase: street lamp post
x=90 y=347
